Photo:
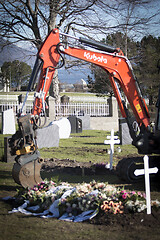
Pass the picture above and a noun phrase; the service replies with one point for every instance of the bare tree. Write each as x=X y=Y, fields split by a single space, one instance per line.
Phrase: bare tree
x=31 y=21
x=26 y=20
x=136 y=18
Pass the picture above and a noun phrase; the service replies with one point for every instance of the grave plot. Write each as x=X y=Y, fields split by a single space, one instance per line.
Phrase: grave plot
x=96 y=202
x=84 y=202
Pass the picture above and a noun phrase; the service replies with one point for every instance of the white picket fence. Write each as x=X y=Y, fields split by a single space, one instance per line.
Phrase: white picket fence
x=16 y=107
x=64 y=110
x=79 y=109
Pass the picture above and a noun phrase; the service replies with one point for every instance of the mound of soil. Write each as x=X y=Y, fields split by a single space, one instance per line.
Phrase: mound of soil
x=73 y=167
x=131 y=220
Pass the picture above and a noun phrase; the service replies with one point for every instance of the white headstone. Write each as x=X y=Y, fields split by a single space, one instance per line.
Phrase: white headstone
x=48 y=136
x=146 y=171
x=64 y=127
x=8 y=122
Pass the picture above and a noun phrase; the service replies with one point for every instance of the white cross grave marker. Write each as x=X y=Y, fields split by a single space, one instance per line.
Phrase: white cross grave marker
x=112 y=140
x=146 y=171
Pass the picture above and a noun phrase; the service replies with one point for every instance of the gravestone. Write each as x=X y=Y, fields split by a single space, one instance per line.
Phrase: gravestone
x=48 y=136
x=125 y=137
x=64 y=127
x=8 y=122
x=64 y=99
x=76 y=124
x=50 y=110
x=21 y=98
x=86 y=121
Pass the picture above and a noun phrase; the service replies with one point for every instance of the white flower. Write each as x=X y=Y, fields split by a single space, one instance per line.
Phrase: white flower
x=74 y=205
x=82 y=209
x=138 y=210
x=100 y=185
x=87 y=206
x=130 y=203
x=103 y=195
x=155 y=203
x=143 y=207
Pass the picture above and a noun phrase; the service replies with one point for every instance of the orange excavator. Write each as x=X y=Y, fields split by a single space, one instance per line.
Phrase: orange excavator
x=26 y=170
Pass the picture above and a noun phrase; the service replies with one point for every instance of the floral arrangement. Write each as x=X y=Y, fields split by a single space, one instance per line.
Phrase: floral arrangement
x=82 y=200
x=112 y=207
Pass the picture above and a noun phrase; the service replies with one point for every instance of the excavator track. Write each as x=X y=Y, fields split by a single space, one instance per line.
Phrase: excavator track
x=126 y=167
x=28 y=174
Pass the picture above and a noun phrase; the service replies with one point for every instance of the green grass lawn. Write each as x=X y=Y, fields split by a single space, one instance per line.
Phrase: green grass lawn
x=87 y=146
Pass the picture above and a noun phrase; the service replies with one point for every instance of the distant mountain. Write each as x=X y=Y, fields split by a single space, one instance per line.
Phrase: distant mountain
x=12 y=52
x=73 y=75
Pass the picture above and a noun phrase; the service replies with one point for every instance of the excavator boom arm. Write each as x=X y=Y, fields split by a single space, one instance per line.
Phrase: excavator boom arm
x=26 y=170
x=113 y=62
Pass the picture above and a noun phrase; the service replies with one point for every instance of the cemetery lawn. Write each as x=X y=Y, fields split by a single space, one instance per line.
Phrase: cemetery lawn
x=87 y=146
x=81 y=147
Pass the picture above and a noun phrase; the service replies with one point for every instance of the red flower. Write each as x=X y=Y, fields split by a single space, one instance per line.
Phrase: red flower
x=124 y=196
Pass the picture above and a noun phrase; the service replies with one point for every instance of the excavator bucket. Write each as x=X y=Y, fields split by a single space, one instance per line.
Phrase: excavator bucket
x=28 y=174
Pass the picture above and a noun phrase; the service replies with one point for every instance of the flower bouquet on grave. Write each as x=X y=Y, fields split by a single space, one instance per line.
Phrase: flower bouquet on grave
x=40 y=195
x=74 y=206
x=74 y=201
x=133 y=201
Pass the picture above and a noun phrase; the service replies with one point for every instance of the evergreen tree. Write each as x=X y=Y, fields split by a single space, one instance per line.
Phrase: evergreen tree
x=147 y=71
x=144 y=57
x=101 y=83
x=17 y=73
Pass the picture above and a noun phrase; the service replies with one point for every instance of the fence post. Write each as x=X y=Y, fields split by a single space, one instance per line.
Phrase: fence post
x=51 y=111
x=109 y=101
